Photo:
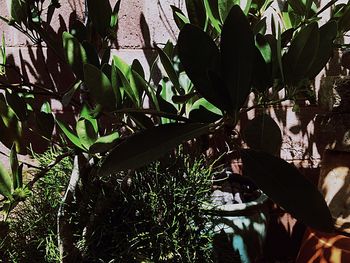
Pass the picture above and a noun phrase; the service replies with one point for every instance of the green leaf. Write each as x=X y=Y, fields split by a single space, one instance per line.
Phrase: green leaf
x=196 y=12
x=200 y=58
x=86 y=113
x=225 y=7
x=100 y=13
x=106 y=56
x=136 y=66
x=212 y=15
x=91 y=54
x=286 y=186
x=104 y=143
x=70 y=135
x=11 y=130
x=86 y=132
x=301 y=54
x=262 y=73
x=237 y=55
x=149 y=145
x=67 y=97
x=18 y=105
x=263 y=133
x=114 y=15
x=17 y=181
x=100 y=87
x=297 y=6
x=18 y=11
x=6 y=187
x=205 y=112
x=328 y=33
x=75 y=54
x=179 y=17
x=169 y=68
x=115 y=85
x=129 y=84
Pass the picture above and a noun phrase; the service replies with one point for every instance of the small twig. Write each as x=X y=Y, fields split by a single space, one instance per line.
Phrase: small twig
x=44 y=170
x=154 y=112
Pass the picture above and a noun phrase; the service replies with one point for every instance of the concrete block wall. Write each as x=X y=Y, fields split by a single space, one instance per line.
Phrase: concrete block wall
x=141 y=24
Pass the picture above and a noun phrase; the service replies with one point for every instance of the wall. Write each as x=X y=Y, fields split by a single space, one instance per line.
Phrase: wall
x=141 y=24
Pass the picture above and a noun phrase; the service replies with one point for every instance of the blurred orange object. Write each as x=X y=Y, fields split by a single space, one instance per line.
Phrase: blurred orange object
x=319 y=247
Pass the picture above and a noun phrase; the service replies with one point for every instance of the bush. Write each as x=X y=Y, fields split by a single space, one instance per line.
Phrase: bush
x=153 y=215
x=33 y=224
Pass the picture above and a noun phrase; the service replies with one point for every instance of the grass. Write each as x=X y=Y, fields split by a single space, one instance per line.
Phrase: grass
x=32 y=225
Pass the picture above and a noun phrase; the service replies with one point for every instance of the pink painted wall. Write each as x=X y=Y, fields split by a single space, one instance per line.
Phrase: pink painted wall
x=141 y=24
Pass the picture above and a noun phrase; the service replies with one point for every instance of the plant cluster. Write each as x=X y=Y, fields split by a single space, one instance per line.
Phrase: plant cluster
x=224 y=53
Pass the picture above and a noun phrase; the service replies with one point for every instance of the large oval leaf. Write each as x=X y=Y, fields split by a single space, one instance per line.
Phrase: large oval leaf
x=263 y=133
x=100 y=87
x=200 y=58
x=100 y=14
x=75 y=54
x=204 y=111
x=148 y=145
x=286 y=186
x=301 y=54
x=328 y=32
x=237 y=56
x=196 y=12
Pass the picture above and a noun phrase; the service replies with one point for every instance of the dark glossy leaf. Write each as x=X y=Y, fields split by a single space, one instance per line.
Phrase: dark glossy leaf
x=301 y=54
x=106 y=56
x=137 y=67
x=225 y=7
x=100 y=87
x=104 y=143
x=200 y=57
x=45 y=120
x=75 y=54
x=196 y=12
x=149 y=145
x=328 y=33
x=67 y=97
x=141 y=120
x=297 y=6
x=179 y=17
x=263 y=133
x=163 y=103
x=18 y=105
x=18 y=11
x=6 y=187
x=287 y=36
x=260 y=27
x=286 y=186
x=262 y=74
x=91 y=54
x=100 y=14
x=237 y=56
x=205 y=112
x=78 y=30
x=344 y=21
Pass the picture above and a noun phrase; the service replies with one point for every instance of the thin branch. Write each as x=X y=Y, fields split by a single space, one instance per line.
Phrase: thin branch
x=43 y=172
x=155 y=113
